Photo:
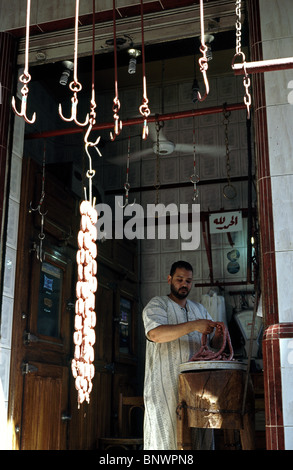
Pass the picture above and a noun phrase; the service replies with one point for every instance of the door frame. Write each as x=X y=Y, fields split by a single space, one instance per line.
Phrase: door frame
x=26 y=285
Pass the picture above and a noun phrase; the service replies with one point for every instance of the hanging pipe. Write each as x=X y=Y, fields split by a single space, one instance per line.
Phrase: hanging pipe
x=116 y=101
x=135 y=121
x=263 y=66
x=25 y=77
x=144 y=108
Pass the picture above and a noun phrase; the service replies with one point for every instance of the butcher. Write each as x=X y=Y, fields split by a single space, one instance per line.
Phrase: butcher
x=174 y=327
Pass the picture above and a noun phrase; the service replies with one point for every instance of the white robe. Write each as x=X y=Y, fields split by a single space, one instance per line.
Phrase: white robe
x=162 y=369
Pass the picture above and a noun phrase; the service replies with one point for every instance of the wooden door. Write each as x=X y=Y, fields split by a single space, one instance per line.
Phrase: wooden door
x=43 y=401
x=43 y=314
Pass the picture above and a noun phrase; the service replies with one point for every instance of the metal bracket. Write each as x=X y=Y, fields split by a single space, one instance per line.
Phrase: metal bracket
x=29 y=338
x=27 y=368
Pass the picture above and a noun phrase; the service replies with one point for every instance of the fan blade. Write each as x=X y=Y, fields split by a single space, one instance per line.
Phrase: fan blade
x=122 y=159
x=211 y=150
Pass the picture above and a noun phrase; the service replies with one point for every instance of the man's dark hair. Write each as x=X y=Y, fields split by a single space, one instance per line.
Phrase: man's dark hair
x=180 y=264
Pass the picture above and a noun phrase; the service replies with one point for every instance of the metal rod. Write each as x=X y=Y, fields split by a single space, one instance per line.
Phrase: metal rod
x=139 y=120
x=263 y=66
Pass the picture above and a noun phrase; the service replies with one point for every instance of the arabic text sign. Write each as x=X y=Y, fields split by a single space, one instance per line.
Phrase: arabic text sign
x=226 y=222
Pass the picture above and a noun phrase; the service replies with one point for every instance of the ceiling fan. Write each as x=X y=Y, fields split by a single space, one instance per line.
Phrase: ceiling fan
x=162 y=146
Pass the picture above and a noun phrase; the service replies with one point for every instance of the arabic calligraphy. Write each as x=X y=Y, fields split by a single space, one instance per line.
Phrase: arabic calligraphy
x=226 y=222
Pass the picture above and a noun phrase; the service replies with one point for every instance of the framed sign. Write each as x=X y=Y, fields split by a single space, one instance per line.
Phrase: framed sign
x=224 y=222
x=49 y=302
x=125 y=326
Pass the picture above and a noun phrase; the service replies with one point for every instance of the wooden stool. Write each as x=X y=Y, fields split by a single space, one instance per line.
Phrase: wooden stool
x=214 y=399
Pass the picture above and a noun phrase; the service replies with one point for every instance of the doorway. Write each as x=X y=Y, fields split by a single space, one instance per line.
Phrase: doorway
x=43 y=400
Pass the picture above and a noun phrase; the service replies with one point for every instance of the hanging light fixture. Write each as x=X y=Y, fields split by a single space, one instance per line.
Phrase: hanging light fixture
x=133 y=53
x=208 y=40
x=66 y=72
x=194 y=91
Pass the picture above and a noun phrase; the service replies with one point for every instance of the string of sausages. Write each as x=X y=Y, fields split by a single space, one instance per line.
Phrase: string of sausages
x=206 y=354
x=85 y=316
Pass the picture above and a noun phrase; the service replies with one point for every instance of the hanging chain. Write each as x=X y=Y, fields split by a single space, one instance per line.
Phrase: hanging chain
x=238 y=27
x=116 y=102
x=144 y=107
x=41 y=236
x=92 y=119
x=203 y=61
x=239 y=52
x=194 y=178
x=157 y=183
x=127 y=184
x=229 y=190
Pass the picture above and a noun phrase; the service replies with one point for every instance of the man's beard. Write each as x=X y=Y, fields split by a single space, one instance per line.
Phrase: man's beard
x=179 y=295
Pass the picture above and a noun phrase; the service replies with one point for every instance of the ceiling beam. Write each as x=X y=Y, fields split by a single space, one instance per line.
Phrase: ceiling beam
x=162 y=26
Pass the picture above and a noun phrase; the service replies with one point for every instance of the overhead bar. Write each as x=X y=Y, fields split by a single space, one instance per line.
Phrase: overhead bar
x=263 y=66
x=139 y=120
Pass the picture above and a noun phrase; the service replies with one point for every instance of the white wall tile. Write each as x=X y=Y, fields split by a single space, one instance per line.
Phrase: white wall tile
x=286 y=353
x=150 y=268
x=6 y=322
x=282 y=190
x=9 y=272
x=15 y=177
x=287 y=384
x=12 y=224
x=284 y=268
x=280 y=136
x=4 y=371
x=288 y=434
x=274 y=14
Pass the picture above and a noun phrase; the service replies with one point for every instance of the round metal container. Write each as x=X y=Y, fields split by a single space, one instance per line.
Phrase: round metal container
x=211 y=365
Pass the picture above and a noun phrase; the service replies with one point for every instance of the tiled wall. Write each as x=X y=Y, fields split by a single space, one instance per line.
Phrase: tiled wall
x=277 y=35
x=157 y=255
x=9 y=277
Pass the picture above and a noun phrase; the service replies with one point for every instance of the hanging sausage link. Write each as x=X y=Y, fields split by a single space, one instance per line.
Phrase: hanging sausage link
x=85 y=316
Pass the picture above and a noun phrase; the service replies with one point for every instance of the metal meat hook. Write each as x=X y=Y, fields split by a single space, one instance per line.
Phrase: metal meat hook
x=23 y=110
x=127 y=203
x=91 y=144
x=203 y=63
x=117 y=120
x=74 y=102
x=38 y=208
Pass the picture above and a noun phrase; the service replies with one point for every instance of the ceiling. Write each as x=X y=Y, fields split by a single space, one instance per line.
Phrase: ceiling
x=164 y=21
x=171 y=35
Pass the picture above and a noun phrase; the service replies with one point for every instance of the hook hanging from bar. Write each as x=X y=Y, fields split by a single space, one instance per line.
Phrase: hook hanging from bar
x=144 y=108
x=126 y=184
x=203 y=61
x=92 y=118
x=229 y=190
x=25 y=77
x=116 y=102
x=92 y=121
x=194 y=178
x=240 y=53
x=90 y=172
x=75 y=86
x=41 y=236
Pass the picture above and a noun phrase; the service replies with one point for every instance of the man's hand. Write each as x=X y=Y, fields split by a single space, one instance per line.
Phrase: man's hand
x=165 y=333
x=218 y=336
x=204 y=326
